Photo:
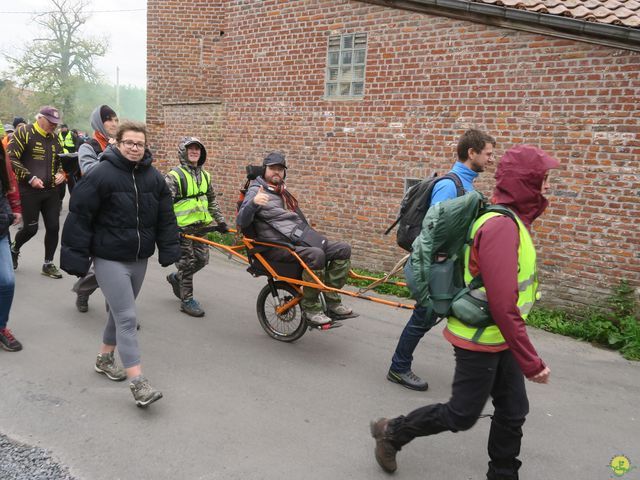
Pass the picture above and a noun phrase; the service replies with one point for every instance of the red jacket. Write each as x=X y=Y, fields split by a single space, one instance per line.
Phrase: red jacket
x=494 y=253
x=13 y=194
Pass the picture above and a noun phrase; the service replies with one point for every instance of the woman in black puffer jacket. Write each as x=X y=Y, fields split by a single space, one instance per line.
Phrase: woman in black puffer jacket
x=118 y=213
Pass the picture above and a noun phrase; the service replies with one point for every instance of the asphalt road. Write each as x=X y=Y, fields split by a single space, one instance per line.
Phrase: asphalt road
x=239 y=405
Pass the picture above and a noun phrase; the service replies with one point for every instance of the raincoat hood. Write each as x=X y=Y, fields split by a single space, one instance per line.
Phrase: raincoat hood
x=519 y=178
x=182 y=151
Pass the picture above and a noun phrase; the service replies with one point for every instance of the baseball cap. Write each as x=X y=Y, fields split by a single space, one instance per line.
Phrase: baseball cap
x=51 y=114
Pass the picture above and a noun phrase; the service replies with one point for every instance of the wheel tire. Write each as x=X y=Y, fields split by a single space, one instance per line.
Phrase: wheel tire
x=287 y=327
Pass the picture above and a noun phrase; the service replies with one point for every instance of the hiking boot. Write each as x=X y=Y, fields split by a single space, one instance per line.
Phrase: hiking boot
x=50 y=270
x=409 y=380
x=172 y=278
x=385 y=452
x=318 y=318
x=143 y=393
x=338 y=309
x=191 y=307
x=82 y=302
x=14 y=255
x=8 y=341
x=106 y=364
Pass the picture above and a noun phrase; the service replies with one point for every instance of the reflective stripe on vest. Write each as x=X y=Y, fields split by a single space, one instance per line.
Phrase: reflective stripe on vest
x=527 y=286
x=192 y=205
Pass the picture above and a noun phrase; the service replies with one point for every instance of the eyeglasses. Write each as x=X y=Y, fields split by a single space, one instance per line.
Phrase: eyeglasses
x=131 y=144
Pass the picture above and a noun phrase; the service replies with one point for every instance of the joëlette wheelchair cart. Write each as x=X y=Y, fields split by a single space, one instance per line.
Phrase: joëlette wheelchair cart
x=278 y=303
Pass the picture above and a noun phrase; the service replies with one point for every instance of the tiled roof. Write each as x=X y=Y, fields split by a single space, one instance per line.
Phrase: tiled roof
x=625 y=13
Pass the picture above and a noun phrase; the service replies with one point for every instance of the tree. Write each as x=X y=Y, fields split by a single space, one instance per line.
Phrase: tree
x=56 y=64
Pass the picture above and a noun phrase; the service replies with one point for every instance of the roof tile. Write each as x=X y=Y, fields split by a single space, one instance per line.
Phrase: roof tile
x=611 y=12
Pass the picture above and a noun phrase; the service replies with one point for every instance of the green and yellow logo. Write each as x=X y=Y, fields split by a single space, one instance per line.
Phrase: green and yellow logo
x=620 y=465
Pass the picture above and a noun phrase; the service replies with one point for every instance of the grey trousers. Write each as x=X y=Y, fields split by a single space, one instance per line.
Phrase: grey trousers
x=120 y=283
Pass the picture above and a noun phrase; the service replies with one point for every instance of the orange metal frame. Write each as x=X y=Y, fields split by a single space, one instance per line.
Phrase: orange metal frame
x=248 y=243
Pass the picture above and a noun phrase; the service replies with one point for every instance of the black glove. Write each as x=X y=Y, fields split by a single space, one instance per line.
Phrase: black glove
x=223 y=228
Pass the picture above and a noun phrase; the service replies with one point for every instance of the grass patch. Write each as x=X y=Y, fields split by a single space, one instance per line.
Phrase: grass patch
x=386 y=289
x=617 y=328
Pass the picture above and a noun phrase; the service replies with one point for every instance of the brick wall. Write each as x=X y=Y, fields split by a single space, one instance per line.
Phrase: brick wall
x=428 y=78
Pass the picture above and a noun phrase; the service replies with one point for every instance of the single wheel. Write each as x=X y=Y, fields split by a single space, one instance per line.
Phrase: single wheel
x=288 y=326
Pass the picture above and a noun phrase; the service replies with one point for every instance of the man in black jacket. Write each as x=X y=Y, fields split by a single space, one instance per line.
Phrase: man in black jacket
x=117 y=216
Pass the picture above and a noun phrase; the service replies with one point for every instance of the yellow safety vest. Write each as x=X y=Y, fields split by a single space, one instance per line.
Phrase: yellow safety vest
x=527 y=286
x=66 y=142
x=191 y=204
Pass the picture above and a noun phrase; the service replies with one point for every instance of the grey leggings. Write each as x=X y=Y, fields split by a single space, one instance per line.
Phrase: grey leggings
x=120 y=283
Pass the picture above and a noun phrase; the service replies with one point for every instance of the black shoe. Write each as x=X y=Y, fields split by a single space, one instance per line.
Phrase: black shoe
x=409 y=380
x=385 y=452
x=14 y=255
x=172 y=278
x=82 y=303
x=8 y=341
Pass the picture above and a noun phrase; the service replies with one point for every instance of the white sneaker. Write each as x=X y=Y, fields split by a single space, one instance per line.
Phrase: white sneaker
x=319 y=318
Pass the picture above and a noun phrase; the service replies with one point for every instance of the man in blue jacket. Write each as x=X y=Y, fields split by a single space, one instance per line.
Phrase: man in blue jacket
x=475 y=152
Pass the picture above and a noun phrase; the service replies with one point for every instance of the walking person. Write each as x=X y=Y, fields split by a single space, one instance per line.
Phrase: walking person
x=491 y=361
x=10 y=214
x=117 y=216
x=104 y=122
x=33 y=151
x=475 y=152
x=195 y=206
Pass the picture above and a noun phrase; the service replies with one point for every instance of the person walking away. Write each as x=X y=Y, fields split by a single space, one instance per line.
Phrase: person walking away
x=118 y=213
x=104 y=122
x=10 y=214
x=195 y=206
x=33 y=151
x=475 y=153
x=491 y=361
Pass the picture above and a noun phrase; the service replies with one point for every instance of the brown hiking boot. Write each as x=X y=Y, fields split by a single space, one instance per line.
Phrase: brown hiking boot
x=106 y=365
x=385 y=452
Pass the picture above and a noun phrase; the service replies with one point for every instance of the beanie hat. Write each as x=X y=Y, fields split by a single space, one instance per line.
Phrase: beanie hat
x=106 y=113
x=17 y=121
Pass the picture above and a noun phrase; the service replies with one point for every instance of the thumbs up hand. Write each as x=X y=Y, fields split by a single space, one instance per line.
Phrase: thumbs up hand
x=261 y=197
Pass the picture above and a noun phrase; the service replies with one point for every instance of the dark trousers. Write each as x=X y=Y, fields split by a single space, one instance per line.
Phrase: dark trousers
x=478 y=376
x=34 y=203
x=194 y=256
x=413 y=331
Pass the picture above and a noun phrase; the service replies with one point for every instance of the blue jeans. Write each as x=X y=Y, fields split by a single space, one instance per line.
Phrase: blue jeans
x=415 y=329
x=7 y=281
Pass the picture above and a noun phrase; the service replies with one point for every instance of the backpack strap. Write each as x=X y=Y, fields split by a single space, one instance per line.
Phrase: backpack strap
x=182 y=183
x=457 y=182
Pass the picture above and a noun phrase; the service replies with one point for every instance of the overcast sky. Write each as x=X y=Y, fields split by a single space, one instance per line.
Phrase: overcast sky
x=122 y=22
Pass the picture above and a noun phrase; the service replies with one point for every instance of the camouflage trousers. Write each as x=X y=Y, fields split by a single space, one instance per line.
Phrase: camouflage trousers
x=194 y=256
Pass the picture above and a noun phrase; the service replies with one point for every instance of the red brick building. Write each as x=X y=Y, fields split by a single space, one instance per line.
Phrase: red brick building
x=364 y=96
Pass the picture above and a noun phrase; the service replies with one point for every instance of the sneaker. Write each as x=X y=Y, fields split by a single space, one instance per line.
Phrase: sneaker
x=385 y=452
x=339 y=309
x=191 y=307
x=409 y=380
x=8 y=341
x=106 y=364
x=143 y=393
x=318 y=318
x=14 y=255
x=50 y=270
x=172 y=278
x=82 y=302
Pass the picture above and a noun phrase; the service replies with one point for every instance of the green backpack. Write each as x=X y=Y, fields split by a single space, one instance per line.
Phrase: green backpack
x=435 y=269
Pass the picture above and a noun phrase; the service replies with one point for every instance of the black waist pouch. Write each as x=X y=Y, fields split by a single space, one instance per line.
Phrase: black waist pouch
x=306 y=236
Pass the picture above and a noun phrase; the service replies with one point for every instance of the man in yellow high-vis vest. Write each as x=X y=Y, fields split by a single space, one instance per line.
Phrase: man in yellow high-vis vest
x=491 y=361
x=195 y=206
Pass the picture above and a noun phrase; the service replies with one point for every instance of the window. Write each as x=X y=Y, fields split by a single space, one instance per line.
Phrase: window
x=411 y=182
x=346 y=59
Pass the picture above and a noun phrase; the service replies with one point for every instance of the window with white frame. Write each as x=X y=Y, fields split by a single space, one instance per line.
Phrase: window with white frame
x=346 y=60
